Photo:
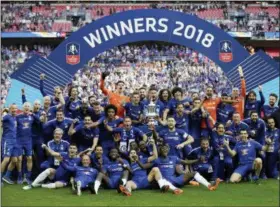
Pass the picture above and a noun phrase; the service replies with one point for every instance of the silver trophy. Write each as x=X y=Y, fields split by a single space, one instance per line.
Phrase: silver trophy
x=151 y=112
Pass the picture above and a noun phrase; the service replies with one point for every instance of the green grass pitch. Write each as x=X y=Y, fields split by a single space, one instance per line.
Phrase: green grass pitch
x=243 y=194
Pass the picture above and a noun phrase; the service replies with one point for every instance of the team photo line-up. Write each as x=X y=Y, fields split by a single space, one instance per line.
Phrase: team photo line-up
x=151 y=139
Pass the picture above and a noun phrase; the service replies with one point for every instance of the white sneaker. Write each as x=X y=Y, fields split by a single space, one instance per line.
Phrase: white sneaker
x=27 y=187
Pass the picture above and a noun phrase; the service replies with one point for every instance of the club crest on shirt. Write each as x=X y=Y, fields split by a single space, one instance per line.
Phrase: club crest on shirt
x=225 y=51
x=72 y=53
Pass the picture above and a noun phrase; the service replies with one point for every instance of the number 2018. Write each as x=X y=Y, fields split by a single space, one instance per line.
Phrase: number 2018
x=190 y=32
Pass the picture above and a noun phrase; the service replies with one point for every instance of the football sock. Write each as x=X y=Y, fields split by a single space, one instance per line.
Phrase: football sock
x=49 y=185
x=201 y=180
x=97 y=184
x=160 y=183
x=40 y=178
x=171 y=186
x=124 y=181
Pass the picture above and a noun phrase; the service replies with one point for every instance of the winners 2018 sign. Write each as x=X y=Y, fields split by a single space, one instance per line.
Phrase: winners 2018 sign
x=143 y=25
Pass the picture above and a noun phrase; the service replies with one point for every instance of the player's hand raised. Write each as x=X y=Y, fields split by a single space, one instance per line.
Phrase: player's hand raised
x=260 y=88
x=42 y=76
x=104 y=75
x=75 y=121
x=43 y=146
x=240 y=71
x=22 y=91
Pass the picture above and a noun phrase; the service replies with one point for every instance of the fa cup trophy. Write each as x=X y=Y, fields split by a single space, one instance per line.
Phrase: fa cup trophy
x=151 y=112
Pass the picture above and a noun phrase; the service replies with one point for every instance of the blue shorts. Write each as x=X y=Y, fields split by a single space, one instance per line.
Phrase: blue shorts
x=114 y=182
x=58 y=177
x=244 y=169
x=84 y=181
x=141 y=182
x=11 y=149
x=177 y=181
x=26 y=148
x=203 y=168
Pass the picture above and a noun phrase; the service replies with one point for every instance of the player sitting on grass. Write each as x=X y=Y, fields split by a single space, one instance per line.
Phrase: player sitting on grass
x=60 y=176
x=167 y=165
x=84 y=175
x=140 y=178
x=246 y=150
x=114 y=174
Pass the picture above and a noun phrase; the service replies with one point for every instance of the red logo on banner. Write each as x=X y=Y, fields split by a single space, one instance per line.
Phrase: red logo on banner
x=72 y=53
x=225 y=51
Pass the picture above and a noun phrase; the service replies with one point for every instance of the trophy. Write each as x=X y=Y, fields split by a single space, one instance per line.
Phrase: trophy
x=151 y=111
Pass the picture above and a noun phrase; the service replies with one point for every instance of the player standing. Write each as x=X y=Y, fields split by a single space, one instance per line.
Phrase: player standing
x=116 y=98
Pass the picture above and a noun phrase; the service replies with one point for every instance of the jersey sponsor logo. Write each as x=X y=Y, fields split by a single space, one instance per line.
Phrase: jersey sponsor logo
x=25 y=125
x=244 y=151
x=225 y=51
x=72 y=53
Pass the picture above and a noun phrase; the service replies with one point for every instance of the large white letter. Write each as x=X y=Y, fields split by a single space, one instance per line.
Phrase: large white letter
x=112 y=31
x=163 y=25
x=93 y=38
x=138 y=23
x=124 y=27
x=104 y=33
x=150 y=23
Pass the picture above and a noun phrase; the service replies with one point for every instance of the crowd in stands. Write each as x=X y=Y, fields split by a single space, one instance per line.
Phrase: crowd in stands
x=229 y=16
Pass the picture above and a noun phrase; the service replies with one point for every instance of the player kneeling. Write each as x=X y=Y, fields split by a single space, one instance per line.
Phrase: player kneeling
x=246 y=150
x=60 y=176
